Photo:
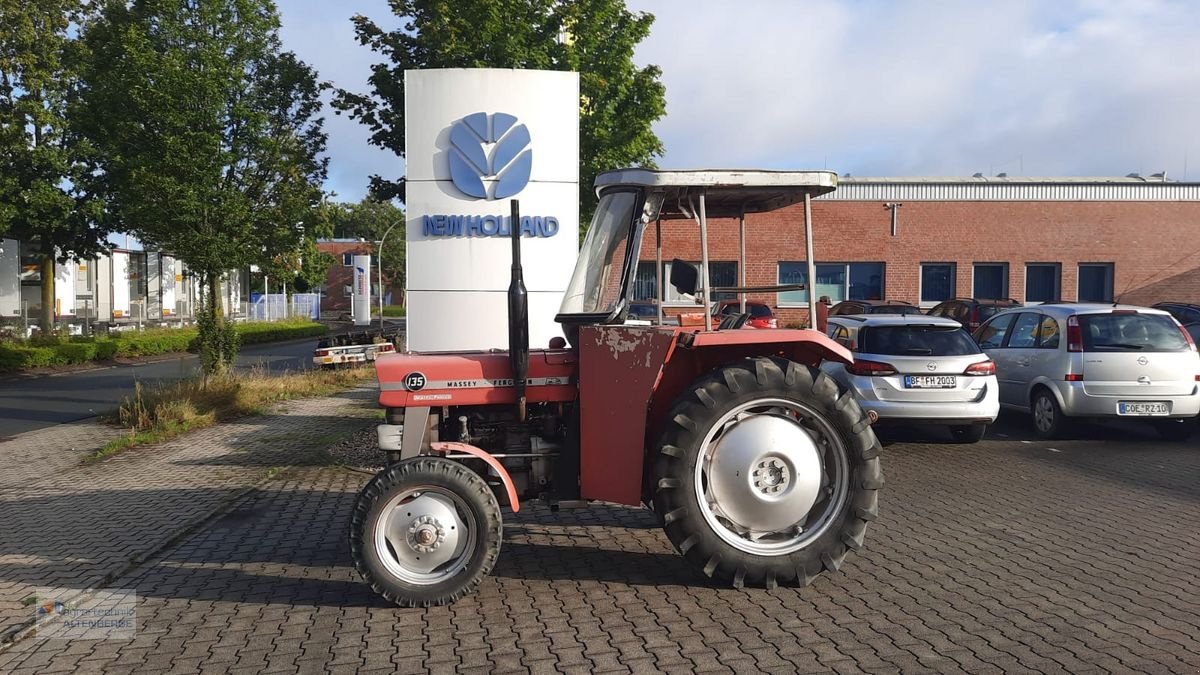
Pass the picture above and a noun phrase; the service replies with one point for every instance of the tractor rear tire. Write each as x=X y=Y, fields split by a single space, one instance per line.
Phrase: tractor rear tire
x=767 y=473
x=425 y=531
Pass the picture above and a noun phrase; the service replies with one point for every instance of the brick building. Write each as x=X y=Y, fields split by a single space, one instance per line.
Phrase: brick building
x=339 y=280
x=1030 y=239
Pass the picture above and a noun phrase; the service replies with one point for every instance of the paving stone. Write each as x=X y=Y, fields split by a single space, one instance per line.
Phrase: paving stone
x=994 y=557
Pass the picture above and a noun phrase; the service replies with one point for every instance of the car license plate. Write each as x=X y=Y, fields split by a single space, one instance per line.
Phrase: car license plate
x=930 y=381
x=1142 y=408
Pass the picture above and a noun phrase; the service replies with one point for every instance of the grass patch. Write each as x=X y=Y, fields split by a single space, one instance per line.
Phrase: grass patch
x=154 y=415
x=46 y=351
x=394 y=310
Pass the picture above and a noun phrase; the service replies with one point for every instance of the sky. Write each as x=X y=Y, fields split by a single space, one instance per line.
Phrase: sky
x=871 y=88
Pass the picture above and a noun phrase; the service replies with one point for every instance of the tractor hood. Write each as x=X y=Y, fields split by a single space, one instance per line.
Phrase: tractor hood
x=472 y=378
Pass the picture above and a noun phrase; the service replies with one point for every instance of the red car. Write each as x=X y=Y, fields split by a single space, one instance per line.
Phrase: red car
x=761 y=315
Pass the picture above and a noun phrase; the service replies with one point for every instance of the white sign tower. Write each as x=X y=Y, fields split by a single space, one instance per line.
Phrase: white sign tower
x=475 y=139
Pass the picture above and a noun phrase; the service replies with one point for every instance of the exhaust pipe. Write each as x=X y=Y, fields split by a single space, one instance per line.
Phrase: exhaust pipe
x=872 y=416
x=518 y=314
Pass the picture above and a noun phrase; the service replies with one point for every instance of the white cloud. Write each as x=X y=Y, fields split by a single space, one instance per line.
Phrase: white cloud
x=928 y=88
x=1072 y=87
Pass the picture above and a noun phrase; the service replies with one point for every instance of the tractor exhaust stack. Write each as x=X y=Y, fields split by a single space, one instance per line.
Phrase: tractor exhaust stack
x=518 y=314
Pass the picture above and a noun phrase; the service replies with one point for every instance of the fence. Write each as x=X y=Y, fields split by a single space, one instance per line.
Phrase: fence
x=274 y=306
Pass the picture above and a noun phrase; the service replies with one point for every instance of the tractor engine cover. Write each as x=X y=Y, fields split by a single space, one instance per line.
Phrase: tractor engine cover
x=472 y=378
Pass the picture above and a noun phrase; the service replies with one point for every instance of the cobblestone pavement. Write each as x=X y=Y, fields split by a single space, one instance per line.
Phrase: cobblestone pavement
x=76 y=526
x=36 y=454
x=1009 y=555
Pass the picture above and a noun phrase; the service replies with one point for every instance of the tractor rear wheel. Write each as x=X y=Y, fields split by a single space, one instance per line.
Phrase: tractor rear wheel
x=425 y=531
x=767 y=473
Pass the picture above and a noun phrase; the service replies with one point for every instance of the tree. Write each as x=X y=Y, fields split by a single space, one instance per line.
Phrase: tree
x=618 y=101
x=210 y=137
x=41 y=161
x=369 y=220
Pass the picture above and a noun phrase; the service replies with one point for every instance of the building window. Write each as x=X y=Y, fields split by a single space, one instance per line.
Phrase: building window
x=1043 y=282
x=937 y=282
x=347 y=260
x=839 y=281
x=1095 y=282
x=991 y=281
x=644 y=281
x=720 y=274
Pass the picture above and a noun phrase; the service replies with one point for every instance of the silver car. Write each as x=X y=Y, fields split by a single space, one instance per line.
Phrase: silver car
x=1066 y=360
x=917 y=369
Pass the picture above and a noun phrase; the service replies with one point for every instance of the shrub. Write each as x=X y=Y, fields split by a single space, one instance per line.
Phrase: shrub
x=53 y=350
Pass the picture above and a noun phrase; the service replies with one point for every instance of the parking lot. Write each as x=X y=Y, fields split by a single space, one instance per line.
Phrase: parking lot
x=1010 y=554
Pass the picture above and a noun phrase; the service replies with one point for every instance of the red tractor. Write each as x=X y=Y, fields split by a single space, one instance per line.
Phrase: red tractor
x=760 y=468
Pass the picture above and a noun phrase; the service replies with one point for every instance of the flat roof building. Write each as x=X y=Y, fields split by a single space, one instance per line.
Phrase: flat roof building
x=1031 y=239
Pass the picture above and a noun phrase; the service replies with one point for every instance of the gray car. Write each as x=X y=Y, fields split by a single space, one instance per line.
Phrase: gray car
x=917 y=369
x=1065 y=360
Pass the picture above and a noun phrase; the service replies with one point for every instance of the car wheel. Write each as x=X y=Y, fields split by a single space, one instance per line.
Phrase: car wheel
x=1048 y=419
x=767 y=473
x=968 y=433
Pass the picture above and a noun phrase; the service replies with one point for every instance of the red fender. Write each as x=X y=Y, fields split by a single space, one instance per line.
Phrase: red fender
x=447 y=447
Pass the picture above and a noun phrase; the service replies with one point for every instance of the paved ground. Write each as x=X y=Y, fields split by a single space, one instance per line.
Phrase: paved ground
x=79 y=526
x=1009 y=555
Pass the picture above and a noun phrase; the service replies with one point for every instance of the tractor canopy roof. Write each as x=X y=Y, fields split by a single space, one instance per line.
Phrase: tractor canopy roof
x=727 y=192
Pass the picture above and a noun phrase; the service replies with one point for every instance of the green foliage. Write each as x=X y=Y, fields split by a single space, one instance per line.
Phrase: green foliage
x=209 y=136
x=369 y=220
x=394 y=310
x=217 y=342
x=618 y=101
x=43 y=162
x=53 y=351
x=276 y=331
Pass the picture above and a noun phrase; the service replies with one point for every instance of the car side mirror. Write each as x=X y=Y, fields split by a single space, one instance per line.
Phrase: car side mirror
x=684 y=277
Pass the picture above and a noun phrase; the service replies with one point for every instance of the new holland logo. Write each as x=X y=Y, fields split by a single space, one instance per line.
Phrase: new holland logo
x=508 y=164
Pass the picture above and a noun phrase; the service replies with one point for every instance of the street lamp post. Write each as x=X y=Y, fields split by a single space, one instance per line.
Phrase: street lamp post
x=379 y=255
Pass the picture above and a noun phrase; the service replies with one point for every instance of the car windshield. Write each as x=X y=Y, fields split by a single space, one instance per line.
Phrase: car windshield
x=596 y=284
x=1119 y=332
x=916 y=341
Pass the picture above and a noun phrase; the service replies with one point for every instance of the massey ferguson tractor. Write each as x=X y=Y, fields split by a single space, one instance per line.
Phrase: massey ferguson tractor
x=761 y=470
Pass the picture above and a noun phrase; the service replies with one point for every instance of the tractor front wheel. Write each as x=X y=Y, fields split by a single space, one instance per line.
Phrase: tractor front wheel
x=767 y=473
x=425 y=531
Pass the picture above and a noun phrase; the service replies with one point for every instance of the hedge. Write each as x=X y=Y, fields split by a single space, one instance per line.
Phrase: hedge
x=43 y=352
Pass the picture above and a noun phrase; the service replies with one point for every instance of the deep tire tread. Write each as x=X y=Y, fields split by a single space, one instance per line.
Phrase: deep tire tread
x=690 y=417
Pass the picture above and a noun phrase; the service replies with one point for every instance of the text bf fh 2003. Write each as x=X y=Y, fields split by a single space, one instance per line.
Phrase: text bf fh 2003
x=762 y=470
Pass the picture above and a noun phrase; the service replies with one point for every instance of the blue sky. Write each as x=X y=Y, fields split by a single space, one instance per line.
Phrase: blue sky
x=1070 y=87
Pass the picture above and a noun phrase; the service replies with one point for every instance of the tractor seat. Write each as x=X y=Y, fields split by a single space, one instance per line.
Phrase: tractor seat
x=733 y=321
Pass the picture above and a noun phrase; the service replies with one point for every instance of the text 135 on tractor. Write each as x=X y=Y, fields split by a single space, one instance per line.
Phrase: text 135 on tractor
x=760 y=468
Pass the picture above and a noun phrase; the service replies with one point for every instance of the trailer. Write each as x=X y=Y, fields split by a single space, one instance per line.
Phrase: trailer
x=354 y=348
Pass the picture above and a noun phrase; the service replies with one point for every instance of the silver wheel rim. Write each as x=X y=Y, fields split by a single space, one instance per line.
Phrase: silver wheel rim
x=422 y=535
x=771 y=476
x=1043 y=414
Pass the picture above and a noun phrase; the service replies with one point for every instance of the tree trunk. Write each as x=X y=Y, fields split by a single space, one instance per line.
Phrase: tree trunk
x=48 y=308
x=216 y=311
